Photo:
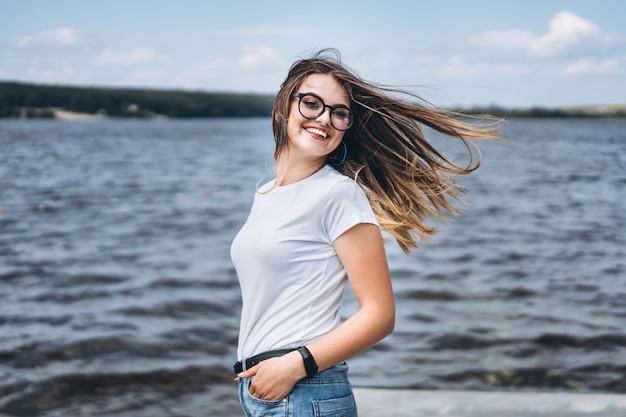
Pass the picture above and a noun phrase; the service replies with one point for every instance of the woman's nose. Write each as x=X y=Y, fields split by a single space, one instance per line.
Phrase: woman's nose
x=324 y=117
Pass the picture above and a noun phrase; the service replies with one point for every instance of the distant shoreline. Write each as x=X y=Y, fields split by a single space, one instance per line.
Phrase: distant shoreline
x=614 y=111
x=35 y=101
x=21 y=100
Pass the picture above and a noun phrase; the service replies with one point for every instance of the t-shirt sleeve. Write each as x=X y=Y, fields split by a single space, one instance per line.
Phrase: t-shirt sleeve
x=346 y=206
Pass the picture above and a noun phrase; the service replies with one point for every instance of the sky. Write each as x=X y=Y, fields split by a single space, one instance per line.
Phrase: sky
x=453 y=53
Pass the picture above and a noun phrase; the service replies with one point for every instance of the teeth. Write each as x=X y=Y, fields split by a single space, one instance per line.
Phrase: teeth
x=317 y=132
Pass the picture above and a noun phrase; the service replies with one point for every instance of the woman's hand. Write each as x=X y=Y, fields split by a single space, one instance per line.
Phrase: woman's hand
x=275 y=378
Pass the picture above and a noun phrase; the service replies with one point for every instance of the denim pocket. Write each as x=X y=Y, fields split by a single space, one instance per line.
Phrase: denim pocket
x=253 y=406
x=278 y=402
x=336 y=407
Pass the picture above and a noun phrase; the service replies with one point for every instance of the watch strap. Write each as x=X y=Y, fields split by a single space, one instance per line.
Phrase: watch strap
x=309 y=362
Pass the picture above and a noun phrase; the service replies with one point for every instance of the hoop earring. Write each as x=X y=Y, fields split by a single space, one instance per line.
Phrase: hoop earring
x=345 y=154
x=282 y=141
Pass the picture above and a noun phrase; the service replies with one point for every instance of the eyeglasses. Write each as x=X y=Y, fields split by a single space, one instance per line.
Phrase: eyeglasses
x=311 y=107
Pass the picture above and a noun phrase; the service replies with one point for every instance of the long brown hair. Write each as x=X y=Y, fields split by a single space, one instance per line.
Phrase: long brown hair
x=404 y=177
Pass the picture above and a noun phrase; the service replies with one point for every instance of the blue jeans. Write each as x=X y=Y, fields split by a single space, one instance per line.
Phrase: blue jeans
x=327 y=394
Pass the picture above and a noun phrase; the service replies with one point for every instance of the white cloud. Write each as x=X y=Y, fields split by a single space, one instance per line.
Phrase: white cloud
x=259 y=56
x=459 y=68
x=137 y=56
x=64 y=36
x=565 y=31
x=591 y=66
x=507 y=39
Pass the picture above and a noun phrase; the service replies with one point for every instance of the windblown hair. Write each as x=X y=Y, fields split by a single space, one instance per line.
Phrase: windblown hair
x=404 y=177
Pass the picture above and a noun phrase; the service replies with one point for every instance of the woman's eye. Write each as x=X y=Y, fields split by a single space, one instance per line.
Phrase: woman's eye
x=312 y=104
x=342 y=114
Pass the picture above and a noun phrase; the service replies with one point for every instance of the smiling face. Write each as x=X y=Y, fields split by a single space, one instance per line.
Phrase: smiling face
x=314 y=139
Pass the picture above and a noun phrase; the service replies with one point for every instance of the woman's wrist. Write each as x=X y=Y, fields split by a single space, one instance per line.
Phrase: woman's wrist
x=298 y=369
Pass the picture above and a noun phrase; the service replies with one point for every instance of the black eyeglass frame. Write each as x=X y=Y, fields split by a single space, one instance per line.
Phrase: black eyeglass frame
x=325 y=106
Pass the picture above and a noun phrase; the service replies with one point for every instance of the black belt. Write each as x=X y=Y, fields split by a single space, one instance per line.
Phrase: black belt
x=255 y=360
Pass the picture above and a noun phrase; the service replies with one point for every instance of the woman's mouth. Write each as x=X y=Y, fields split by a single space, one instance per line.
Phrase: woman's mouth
x=317 y=132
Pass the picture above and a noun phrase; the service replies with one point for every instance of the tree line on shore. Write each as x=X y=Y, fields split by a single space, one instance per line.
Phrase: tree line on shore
x=25 y=100
x=32 y=100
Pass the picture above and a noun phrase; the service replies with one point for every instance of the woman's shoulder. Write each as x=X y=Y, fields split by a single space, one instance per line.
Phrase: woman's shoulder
x=265 y=186
x=335 y=183
x=332 y=176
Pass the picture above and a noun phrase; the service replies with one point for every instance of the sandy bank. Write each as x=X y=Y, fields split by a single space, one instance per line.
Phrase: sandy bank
x=70 y=115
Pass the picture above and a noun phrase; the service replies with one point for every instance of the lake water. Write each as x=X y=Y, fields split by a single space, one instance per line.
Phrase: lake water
x=118 y=297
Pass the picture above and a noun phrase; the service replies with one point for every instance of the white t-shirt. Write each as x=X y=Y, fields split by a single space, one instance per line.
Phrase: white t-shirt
x=292 y=281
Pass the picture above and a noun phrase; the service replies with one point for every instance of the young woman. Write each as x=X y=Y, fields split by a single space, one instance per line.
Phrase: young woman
x=351 y=159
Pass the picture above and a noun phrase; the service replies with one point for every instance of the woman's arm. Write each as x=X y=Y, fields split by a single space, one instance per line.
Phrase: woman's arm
x=362 y=253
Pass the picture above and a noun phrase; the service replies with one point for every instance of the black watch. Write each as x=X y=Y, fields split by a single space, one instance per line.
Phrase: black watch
x=309 y=363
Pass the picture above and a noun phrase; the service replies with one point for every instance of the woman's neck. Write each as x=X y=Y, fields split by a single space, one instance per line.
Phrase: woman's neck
x=289 y=172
